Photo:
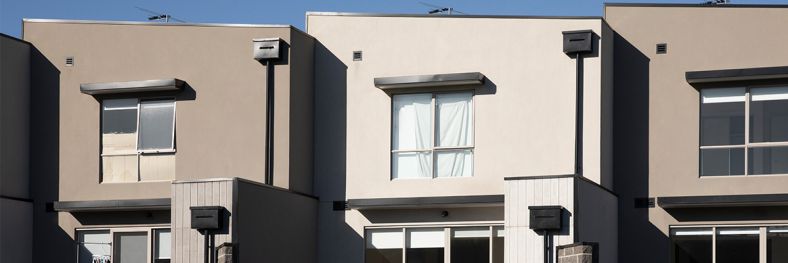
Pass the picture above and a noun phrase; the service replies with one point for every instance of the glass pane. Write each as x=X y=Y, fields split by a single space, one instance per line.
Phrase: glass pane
x=94 y=246
x=777 y=245
x=425 y=245
x=163 y=242
x=769 y=160
x=722 y=162
x=157 y=124
x=454 y=163
x=131 y=247
x=384 y=246
x=470 y=245
x=119 y=116
x=411 y=165
x=497 y=244
x=737 y=245
x=722 y=116
x=691 y=245
x=412 y=121
x=769 y=114
x=454 y=119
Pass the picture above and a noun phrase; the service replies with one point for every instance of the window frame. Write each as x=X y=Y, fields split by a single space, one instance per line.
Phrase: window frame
x=433 y=149
x=746 y=144
x=151 y=239
x=447 y=236
x=763 y=230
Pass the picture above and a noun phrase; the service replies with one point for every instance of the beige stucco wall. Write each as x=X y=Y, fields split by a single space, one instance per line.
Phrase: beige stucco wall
x=220 y=117
x=524 y=127
x=658 y=138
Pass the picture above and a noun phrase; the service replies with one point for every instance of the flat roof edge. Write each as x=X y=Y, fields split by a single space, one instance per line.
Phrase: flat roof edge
x=120 y=22
x=696 y=5
x=318 y=13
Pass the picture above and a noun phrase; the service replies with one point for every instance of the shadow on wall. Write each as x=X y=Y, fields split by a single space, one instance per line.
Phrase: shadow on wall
x=122 y=217
x=636 y=235
x=729 y=213
x=44 y=149
x=337 y=241
x=426 y=215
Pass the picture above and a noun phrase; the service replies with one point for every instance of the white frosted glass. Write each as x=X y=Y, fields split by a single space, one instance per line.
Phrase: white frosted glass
x=157 y=123
x=771 y=93
x=454 y=163
x=722 y=95
x=426 y=238
x=454 y=119
x=412 y=120
x=94 y=244
x=384 y=238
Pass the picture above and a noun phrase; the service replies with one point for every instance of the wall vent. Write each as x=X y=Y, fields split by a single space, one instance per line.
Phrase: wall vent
x=69 y=61
x=662 y=48
x=357 y=56
x=340 y=206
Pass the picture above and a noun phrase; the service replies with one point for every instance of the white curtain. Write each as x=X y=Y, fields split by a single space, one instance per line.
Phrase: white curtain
x=412 y=122
x=455 y=129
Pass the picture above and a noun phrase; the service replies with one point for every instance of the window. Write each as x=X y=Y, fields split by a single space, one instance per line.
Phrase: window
x=136 y=137
x=435 y=245
x=432 y=135
x=726 y=244
x=120 y=245
x=744 y=131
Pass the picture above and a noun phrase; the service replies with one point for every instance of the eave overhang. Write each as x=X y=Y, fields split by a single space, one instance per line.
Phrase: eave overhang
x=156 y=85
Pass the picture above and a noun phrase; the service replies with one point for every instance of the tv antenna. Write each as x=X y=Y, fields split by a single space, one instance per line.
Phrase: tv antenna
x=717 y=2
x=440 y=10
x=158 y=16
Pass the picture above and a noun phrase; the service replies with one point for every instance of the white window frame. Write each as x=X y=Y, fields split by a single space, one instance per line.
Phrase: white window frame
x=762 y=238
x=747 y=144
x=433 y=138
x=112 y=230
x=447 y=231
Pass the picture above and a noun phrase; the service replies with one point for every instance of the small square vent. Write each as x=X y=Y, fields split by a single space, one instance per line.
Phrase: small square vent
x=357 y=56
x=662 y=48
x=645 y=202
x=69 y=61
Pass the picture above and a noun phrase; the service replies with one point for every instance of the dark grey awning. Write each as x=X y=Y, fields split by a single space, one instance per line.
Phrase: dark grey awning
x=723 y=201
x=434 y=80
x=132 y=86
x=724 y=75
x=426 y=202
x=113 y=205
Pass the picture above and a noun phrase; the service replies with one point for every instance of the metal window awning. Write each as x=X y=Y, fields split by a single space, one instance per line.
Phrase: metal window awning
x=721 y=201
x=426 y=202
x=433 y=80
x=112 y=205
x=741 y=74
x=155 y=85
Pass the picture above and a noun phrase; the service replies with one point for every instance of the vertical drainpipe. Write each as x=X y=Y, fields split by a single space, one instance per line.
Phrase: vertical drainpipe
x=268 y=51
x=576 y=44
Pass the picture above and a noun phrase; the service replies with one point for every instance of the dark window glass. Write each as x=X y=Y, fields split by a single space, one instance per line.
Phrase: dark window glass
x=722 y=161
x=768 y=160
x=777 y=245
x=425 y=255
x=722 y=117
x=497 y=245
x=769 y=114
x=119 y=116
x=470 y=245
x=692 y=245
x=373 y=255
x=737 y=245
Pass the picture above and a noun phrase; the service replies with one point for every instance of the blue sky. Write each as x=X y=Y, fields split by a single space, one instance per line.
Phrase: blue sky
x=287 y=11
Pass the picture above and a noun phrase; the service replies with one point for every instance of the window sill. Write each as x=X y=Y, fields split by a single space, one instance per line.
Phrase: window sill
x=136 y=182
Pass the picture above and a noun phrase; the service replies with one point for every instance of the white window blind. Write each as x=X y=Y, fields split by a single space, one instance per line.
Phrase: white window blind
x=471 y=232
x=412 y=129
x=384 y=238
x=426 y=238
x=722 y=95
x=771 y=93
